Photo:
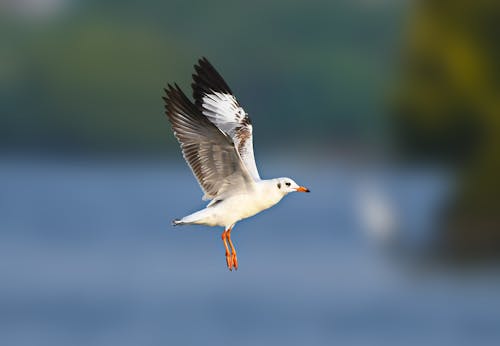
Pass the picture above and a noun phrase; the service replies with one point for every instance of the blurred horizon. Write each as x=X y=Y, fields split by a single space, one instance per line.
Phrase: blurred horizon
x=89 y=76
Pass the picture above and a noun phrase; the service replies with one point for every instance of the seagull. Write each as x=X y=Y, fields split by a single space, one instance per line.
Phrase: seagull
x=215 y=136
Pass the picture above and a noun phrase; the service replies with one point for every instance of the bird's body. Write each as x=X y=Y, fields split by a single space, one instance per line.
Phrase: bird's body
x=238 y=206
x=215 y=134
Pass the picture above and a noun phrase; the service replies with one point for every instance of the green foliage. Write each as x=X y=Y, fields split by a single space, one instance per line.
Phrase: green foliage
x=449 y=106
x=91 y=78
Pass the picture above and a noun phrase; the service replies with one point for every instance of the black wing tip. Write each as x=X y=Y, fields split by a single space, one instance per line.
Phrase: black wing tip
x=203 y=63
x=178 y=106
x=176 y=222
x=173 y=92
x=206 y=79
x=170 y=96
x=174 y=100
x=168 y=90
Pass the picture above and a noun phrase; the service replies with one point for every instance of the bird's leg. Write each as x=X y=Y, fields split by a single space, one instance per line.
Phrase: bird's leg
x=234 y=259
x=229 y=260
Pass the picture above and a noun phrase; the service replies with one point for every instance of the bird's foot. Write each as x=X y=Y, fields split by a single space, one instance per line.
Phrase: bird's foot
x=229 y=261
x=234 y=260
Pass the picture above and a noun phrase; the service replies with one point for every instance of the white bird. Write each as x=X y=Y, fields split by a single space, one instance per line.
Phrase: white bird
x=215 y=135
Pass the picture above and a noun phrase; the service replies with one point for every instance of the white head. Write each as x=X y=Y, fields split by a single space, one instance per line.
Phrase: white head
x=287 y=185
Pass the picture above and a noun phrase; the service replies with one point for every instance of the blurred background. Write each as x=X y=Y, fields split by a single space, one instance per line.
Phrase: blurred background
x=387 y=110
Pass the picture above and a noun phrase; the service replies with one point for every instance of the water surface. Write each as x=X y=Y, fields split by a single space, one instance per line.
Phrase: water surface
x=88 y=257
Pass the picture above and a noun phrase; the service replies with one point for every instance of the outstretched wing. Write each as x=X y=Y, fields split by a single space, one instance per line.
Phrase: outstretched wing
x=216 y=101
x=210 y=153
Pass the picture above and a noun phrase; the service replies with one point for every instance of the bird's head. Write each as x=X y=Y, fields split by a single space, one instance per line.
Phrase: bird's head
x=287 y=185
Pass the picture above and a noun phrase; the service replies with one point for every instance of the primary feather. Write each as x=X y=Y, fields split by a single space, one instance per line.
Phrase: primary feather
x=215 y=100
x=209 y=152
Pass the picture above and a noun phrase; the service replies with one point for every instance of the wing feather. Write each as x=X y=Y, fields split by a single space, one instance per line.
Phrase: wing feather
x=215 y=100
x=209 y=152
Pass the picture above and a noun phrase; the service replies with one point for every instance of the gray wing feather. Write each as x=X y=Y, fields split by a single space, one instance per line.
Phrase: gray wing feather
x=209 y=152
x=216 y=101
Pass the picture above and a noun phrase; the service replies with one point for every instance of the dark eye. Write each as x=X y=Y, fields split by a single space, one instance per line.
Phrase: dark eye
x=287 y=184
x=279 y=185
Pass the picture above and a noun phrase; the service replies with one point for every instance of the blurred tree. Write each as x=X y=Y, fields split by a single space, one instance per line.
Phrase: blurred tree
x=90 y=77
x=449 y=108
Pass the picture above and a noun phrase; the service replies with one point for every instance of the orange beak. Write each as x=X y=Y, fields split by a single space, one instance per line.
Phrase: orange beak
x=302 y=189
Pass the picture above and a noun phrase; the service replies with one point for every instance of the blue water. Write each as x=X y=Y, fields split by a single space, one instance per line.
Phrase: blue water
x=88 y=257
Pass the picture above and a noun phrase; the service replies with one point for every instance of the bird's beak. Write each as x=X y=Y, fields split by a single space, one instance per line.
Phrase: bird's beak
x=302 y=189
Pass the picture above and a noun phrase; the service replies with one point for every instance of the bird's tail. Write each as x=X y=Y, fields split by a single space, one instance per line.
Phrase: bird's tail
x=176 y=222
x=198 y=218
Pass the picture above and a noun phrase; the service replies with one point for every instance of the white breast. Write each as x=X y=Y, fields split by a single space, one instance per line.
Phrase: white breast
x=243 y=205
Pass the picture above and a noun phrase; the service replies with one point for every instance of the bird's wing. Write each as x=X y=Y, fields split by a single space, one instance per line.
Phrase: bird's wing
x=210 y=153
x=216 y=101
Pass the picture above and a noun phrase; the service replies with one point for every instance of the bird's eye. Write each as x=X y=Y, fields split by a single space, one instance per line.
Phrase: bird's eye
x=279 y=185
x=287 y=184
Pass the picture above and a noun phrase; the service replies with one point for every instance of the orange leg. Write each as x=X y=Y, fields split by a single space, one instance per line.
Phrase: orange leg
x=229 y=260
x=234 y=259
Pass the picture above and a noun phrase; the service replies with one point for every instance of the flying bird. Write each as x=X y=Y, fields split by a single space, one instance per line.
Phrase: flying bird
x=215 y=135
